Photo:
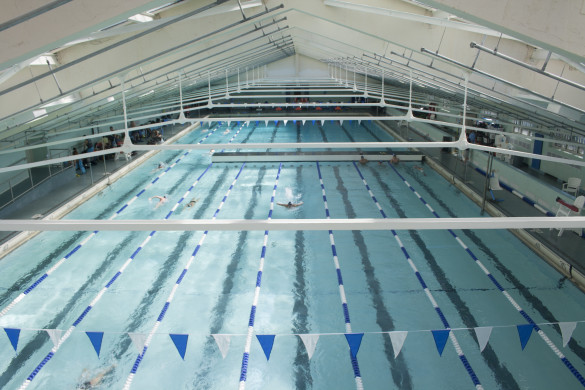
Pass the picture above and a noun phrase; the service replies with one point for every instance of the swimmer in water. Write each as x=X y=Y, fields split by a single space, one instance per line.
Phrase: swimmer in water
x=95 y=381
x=226 y=131
x=161 y=200
x=363 y=160
x=192 y=202
x=211 y=152
x=395 y=160
x=290 y=204
x=420 y=169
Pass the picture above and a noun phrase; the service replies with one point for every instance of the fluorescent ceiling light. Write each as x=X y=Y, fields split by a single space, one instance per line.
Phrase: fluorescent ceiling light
x=42 y=60
x=111 y=99
x=40 y=112
x=63 y=100
x=147 y=93
x=141 y=18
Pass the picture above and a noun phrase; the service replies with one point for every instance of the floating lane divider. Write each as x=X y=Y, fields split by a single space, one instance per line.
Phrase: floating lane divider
x=428 y=293
x=512 y=301
x=354 y=362
x=521 y=196
x=252 y=319
x=92 y=235
x=96 y=299
x=161 y=316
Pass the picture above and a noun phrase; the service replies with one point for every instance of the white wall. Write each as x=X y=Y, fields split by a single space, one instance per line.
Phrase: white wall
x=297 y=66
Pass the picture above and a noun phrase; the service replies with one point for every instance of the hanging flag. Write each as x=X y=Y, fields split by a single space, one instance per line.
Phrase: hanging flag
x=54 y=335
x=397 y=339
x=266 y=342
x=354 y=340
x=567 y=329
x=524 y=331
x=13 y=335
x=310 y=341
x=441 y=337
x=285 y=121
x=223 y=343
x=359 y=122
x=266 y=123
x=138 y=339
x=483 y=336
x=180 y=341
x=294 y=121
x=304 y=120
x=322 y=122
x=341 y=122
x=313 y=122
x=96 y=340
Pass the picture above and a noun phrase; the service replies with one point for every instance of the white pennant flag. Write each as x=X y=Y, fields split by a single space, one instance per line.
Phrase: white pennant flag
x=567 y=329
x=304 y=121
x=285 y=121
x=483 y=336
x=397 y=339
x=310 y=341
x=341 y=122
x=138 y=339
x=55 y=335
x=223 y=343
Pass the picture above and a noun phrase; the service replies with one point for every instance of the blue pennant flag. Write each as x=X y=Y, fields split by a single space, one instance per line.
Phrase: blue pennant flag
x=294 y=121
x=266 y=342
x=354 y=340
x=13 y=336
x=96 y=340
x=313 y=122
x=524 y=331
x=180 y=341
x=441 y=337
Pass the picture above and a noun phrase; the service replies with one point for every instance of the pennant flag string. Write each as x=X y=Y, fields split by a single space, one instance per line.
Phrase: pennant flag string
x=564 y=326
x=96 y=340
x=180 y=341
x=13 y=335
x=266 y=342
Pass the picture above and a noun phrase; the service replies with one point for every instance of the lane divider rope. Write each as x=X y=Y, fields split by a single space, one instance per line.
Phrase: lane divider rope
x=35 y=284
x=252 y=318
x=167 y=304
x=428 y=293
x=512 y=301
x=354 y=361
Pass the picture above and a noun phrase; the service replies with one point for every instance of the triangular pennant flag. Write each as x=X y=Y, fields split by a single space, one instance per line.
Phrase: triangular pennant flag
x=567 y=329
x=397 y=339
x=13 y=336
x=354 y=340
x=180 y=341
x=359 y=121
x=229 y=122
x=310 y=341
x=266 y=341
x=285 y=121
x=247 y=123
x=483 y=336
x=54 y=335
x=294 y=121
x=322 y=122
x=441 y=337
x=341 y=122
x=138 y=339
x=96 y=340
x=223 y=343
x=304 y=120
x=313 y=121
x=524 y=331
x=266 y=123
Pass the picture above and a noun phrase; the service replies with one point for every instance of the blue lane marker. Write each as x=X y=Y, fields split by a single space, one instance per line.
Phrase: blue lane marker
x=252 y=318
x=354 y=362
x=94 y=302
x=167 y=304
x=86 y=240
x=512 y=301
x=428 y=293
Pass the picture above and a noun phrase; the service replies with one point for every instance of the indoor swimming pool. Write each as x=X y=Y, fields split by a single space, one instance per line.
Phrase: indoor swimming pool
x=166 y=301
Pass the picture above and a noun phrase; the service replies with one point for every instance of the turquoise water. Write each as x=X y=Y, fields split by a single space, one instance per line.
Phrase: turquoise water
x=299 y=292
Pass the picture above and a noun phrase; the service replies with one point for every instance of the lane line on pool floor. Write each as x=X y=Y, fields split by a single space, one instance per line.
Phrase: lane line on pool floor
x=167 y=304
x=512 y=301
x=252 y=318
x=96 y=299
x=354 y=361
x=22 y=295
x=428 y=293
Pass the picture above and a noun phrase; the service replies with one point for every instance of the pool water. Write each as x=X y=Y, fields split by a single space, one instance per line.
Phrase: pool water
x=299 y=291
